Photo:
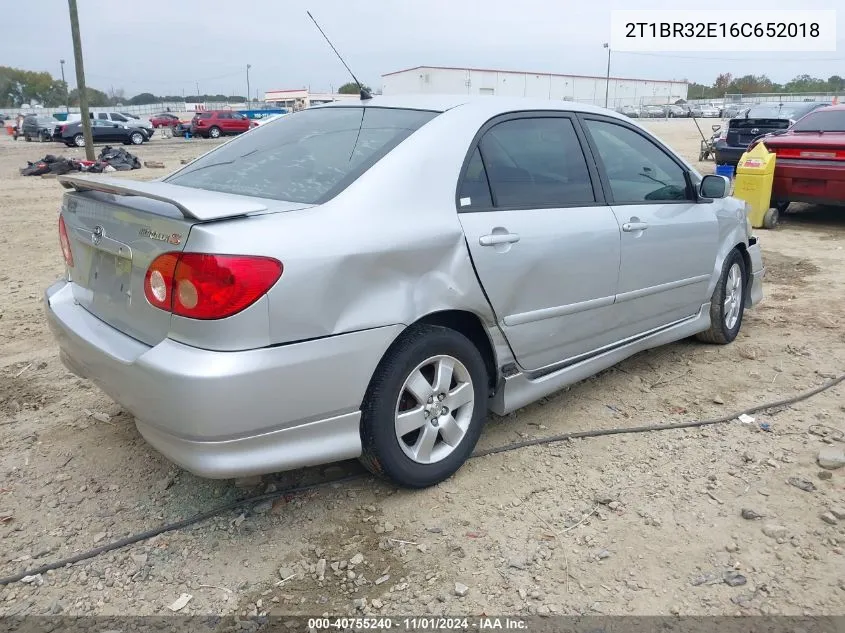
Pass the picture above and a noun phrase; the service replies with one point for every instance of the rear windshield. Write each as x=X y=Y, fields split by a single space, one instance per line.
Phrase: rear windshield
x=822 y=121
x=783 y=111
x=307 y=157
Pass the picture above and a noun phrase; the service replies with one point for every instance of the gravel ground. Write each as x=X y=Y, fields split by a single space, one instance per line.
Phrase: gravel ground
x=700 y=521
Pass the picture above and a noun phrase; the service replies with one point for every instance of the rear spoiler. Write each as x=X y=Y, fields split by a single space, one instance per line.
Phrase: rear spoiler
x=196 y=204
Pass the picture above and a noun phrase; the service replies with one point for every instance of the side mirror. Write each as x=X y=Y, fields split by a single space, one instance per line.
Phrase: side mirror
x=715 y=187
x=716 y=128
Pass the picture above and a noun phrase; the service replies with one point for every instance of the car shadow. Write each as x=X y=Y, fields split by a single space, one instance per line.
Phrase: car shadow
x=815 y=216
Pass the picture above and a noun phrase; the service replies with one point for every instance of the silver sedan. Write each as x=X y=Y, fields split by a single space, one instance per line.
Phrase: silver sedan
x=370 y=279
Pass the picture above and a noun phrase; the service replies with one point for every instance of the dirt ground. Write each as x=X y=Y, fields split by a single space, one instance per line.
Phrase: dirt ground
x=649 y=523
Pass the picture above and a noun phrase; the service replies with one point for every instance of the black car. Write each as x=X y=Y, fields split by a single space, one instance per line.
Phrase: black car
x=760 y=119
x=38 y=127
x=102 y=132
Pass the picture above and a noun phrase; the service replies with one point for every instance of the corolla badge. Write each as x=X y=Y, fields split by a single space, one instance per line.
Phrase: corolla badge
x=173 y=238
x=97 y=235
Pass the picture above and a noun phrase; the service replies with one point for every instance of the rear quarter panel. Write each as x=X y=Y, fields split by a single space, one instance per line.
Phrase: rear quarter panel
x=388 y=250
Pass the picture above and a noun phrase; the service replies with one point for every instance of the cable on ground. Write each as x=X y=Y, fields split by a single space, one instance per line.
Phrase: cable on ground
x=202 y=516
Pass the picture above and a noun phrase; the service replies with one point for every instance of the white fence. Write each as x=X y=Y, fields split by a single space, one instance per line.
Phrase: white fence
x=773 y=97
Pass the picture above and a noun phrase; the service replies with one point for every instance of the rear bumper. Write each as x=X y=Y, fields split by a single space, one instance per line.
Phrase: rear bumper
x=727 y=155
x=227 y=414
x=755 y=287
x=815 y=181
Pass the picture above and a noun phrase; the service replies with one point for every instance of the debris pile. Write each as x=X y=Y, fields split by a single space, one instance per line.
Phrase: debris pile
x=51 y=165
x=110 y=159
x=116 y=158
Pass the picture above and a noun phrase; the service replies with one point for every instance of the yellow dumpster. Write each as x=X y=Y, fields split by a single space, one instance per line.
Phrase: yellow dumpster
x=755 y=173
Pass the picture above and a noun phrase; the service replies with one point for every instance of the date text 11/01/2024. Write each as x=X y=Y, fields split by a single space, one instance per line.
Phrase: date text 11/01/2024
x=422 y=623
x=722 y=29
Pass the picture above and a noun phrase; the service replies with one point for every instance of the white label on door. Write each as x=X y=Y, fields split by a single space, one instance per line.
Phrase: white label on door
x=465 y=202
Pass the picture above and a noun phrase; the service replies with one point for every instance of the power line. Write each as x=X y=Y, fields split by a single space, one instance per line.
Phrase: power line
x=732 y=59
x=161 y=82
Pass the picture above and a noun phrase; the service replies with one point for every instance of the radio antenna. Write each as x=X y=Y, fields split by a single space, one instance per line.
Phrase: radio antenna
x=364 y=93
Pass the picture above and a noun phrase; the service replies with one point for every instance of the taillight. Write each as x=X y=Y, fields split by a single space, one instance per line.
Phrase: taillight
x=204 y=286
x=158 y=282
x=817 y=154
x=65 y=243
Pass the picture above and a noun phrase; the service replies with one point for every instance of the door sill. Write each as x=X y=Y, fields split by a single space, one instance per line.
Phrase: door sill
x=524 y=388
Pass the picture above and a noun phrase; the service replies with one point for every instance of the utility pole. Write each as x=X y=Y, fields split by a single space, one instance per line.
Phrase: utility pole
x=67 y=97
x=248 y=97
x=607 y=85
x=80 y=80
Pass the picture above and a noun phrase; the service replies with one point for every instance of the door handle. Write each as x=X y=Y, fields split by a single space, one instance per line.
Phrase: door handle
x=630 y=227
x=498 y=238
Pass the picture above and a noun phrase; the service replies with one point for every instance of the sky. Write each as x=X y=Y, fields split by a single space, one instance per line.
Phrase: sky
x=176 y=46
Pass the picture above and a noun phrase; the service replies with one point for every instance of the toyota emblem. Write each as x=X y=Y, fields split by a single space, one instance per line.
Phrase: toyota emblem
x=755 y=130
x=97 y=235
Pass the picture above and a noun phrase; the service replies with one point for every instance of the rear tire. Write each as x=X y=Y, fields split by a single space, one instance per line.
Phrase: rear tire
x=215 y=132
x=79 y=140
x=27 y=138
x=432 y=383
x=728 y=302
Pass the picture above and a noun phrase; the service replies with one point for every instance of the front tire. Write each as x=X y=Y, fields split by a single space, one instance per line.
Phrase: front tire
x=424 y=408
x=136 y=138
x=728 y=302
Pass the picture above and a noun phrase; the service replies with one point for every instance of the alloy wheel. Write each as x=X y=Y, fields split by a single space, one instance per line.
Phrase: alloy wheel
x=733 y=296
x=434 y=409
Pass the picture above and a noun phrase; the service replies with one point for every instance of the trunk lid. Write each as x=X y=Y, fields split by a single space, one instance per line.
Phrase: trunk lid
x=117 y=227
x=742 y=131
x=823 y=146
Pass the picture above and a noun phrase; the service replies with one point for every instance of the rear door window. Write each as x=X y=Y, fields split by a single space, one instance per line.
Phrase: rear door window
x=475 y=187
x=309 y=156
x=536 y=162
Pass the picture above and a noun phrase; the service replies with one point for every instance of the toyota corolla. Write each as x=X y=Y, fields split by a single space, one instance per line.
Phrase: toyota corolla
x=368 y=280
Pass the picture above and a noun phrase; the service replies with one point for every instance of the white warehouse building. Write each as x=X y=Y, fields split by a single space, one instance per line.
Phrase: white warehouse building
x=582 y=88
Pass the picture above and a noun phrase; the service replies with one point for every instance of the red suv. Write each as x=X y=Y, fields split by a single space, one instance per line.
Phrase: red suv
x=216 y=123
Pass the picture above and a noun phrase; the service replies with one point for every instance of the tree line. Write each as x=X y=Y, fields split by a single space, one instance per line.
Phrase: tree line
x=726 y=83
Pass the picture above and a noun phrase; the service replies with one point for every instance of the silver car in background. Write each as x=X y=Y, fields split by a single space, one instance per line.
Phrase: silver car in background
x=706 y=111
x=370 y=279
